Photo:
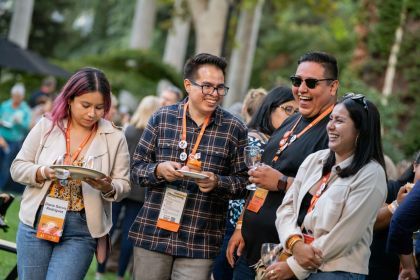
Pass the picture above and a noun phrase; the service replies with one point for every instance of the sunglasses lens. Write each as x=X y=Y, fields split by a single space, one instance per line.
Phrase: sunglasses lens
x=311 y=83
x=296 y=81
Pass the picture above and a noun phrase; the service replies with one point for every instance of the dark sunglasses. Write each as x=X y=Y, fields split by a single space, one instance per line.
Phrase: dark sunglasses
x=310 y=82
x=358 y=98
x=289 y=110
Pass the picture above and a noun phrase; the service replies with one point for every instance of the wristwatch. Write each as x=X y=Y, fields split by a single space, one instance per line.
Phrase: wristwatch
x=282 y=183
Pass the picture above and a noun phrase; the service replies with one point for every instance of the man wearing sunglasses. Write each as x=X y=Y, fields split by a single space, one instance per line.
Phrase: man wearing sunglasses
x=314 y=86
x=190 y=158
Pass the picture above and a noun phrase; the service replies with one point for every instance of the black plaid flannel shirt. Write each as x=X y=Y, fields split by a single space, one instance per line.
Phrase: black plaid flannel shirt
x=202 y=225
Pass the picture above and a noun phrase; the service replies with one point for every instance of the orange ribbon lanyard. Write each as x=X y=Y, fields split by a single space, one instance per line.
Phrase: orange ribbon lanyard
x=69 y=159
x=184 y=130
x=321 y=189
x=283 y=144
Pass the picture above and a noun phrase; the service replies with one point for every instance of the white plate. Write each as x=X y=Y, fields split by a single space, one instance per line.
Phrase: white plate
x=194 y=175
x=77 y=172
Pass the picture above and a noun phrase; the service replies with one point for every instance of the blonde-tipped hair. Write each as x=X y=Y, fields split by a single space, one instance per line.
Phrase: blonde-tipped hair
x=148 y=105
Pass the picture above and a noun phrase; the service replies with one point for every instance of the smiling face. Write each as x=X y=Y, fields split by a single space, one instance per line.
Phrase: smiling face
x=87 y=109
x=314 y=101
x=342 y=133
x=200 y=104
x=279 y=114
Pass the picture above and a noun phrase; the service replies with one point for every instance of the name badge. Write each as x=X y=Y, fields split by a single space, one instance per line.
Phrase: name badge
x=257 y=200
x=50 y=226
x=171 y=210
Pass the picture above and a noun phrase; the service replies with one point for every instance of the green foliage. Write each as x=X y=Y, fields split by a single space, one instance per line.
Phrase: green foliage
x=132 y=70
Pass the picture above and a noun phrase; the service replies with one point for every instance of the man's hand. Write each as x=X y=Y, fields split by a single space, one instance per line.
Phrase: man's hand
x=237 y=243
x=402 y=193
x=408 y=271
x=207 y=184
x=265 y=177
x=168 y=170
x=307 y=256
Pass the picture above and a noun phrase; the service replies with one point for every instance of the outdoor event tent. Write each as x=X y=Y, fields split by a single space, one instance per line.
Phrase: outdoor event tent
x=14 y=57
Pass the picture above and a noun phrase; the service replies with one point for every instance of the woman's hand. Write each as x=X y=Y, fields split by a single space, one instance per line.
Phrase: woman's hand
x=236 y=243
x=104 y=185
x=307 y=256
x=278 y=271
x=45 y=173
x=265 y=177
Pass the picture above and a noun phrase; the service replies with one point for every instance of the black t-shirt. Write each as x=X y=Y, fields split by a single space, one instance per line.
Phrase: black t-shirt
x=259 y=228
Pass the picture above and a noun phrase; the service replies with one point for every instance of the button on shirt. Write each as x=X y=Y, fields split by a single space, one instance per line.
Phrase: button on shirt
x=203 y=220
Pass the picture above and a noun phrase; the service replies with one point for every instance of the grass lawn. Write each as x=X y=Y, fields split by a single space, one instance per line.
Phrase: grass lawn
x=8 y=260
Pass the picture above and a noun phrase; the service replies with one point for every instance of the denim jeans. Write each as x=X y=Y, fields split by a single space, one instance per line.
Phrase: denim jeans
x=69 y=259
x=131 y=209
x=222 y=269
x=6 y=158
x=336 y=275
x=242 y=271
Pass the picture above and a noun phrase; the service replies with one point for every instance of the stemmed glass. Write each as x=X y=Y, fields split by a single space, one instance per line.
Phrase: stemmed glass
x=92 y=162
x=269 y=253
x=60 y=173
x=252 y=156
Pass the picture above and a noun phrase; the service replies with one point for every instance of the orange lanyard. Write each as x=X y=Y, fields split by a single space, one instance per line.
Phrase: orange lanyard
x=287 y=140
x=69 y=159
x=184 y=131
x=321 y=189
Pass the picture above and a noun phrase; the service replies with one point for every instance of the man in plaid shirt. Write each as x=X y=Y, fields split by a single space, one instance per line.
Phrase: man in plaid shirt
x=180 y=228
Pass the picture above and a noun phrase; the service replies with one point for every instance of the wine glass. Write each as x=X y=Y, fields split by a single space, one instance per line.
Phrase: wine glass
x=92 y=162
x=252 y=156
x=60 y=160
x=269 y=253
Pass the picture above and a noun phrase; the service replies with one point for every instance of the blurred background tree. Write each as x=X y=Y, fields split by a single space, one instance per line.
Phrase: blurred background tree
x=360 y=33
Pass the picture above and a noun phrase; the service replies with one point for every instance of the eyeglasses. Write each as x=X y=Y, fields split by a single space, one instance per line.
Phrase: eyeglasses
x=310 y=82
x=359 y=98
x=221 y=90
x=289 y=110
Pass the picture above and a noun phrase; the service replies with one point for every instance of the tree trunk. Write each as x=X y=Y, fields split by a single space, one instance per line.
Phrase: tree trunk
x=209 y=19
x=143 y=25
x=177 y=40
x=241 y=62
x=393 y=56
x=21 y=22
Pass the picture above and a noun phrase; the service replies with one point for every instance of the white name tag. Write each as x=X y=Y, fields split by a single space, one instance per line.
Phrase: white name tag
x=171 y=210
x=51 y=223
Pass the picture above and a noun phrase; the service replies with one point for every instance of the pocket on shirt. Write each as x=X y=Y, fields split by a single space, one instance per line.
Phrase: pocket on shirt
x=331 y=207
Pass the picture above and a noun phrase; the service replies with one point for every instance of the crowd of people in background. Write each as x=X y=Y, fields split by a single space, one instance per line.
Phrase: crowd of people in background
x=326 y=194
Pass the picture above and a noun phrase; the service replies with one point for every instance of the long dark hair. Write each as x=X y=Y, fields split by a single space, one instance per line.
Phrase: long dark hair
x=261 y=120
x=367 y=122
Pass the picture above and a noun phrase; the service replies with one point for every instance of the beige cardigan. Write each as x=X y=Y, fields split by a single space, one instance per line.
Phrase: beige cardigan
x=109 y=145
x=343 y=218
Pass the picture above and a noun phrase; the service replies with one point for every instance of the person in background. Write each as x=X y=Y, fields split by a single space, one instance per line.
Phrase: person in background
x=382 y=263
x=275 y=108
x=326 y=219
x=180 y=227
x=170 y=95
x=74 y=133
x=15 y=118
x=314 y=86
x=134 y=201
x=405 y=221
x=47 y=91
x=252 y=102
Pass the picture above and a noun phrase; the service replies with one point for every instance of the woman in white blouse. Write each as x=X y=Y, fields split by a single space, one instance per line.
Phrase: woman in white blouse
x=327 y=216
